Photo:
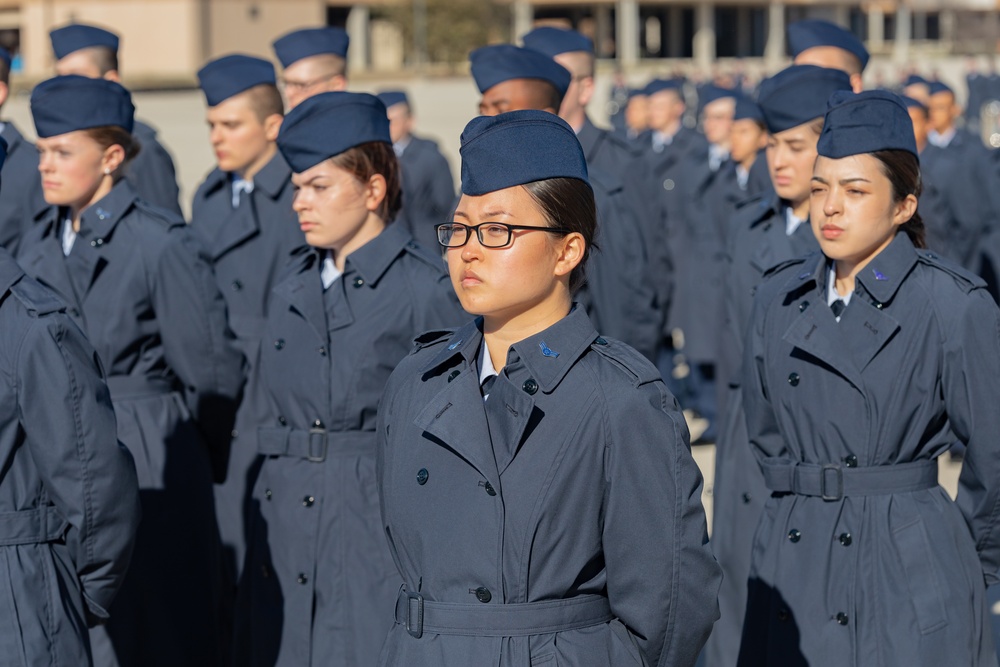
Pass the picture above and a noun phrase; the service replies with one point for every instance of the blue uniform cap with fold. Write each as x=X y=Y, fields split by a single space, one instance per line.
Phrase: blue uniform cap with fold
x=518 y=147
x=636 y=92
x=866 y=122
x=69 y=103
x=309 y=42
x=939 y=87
x=798 y=94
x=811 y=33
x=328 y=124
x=747 y=109
x=915 y=79
x=710 y=93
x=393 y=97
x=659 y=85
x=495 y=64
x=911 y=103
x=76 y=36
x=555 y=41
x=230 y=75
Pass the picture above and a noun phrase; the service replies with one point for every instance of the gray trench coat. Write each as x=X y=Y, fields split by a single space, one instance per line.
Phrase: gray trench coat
x=319 y=584
x=860 y=558
x=558 y=523
x=69 y=501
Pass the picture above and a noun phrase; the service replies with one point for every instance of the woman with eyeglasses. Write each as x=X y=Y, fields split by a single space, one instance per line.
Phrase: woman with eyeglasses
x=319 y=579
x=538 y=491
x=863 y=364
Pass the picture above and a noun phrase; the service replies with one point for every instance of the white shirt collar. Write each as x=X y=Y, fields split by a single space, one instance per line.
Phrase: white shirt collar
x=791 y=222
x=832 y=294
x=716 y=156
x=486 y=368
x=240 y=185
x=742 y=176
x=941 y=140
x=329 y=272
x=401 y=145
x=68 y=237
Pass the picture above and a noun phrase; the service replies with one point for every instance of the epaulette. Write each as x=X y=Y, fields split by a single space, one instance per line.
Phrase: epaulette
x=35 y=298
x=755 y=199
x=431 y=338
x=781 y=266
x=425 y=255
x=165 y=215
x=639 y=369
x=968 y=280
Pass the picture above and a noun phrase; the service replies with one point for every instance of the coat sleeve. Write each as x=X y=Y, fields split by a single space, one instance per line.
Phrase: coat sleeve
x=442 y=187
x=70 y=432
x=762 y=423
x=662 y=578
x=970 y=371
x=197 y=342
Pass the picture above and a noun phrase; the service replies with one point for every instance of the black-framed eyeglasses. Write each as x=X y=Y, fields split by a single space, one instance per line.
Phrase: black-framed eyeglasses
x=490 y=234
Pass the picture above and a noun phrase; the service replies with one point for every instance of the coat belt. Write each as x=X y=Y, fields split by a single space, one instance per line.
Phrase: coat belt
x=137 y=386
x=833 y=481
x=474 y=619
x=314 y=444
x=42 y=524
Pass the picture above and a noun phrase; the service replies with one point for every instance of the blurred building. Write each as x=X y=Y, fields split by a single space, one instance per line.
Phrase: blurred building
x=165 y=41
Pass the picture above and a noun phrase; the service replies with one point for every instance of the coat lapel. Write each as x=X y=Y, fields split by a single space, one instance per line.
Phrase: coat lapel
x=304 y=294
x=868 y=329
x=239 y=225
x=817 y=333
x=508 y=411
x=45 y=261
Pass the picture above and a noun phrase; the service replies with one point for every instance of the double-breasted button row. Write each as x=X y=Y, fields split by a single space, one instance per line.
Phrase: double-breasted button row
x=793 y=379
x=842 y=618
x=530 y=386
x=483 y=594
x=794 y=535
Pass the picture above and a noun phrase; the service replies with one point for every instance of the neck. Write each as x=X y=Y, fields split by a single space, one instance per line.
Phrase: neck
x=576 y=120
x=747 y=163
x=800 y=209
x=76 y=210
x=848 y=269
x=502 y=331
x=671 y=128
x=252 y=169
x=370 y=228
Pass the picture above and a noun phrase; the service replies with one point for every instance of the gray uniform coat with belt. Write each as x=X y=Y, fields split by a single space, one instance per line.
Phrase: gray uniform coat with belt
x=319 y=584
x=756 y=241
x=152 y=171
x=573 y=483
x=21 y=195
x=248 y=247
x=139 y=286
x=69 y=502
x=846 y=569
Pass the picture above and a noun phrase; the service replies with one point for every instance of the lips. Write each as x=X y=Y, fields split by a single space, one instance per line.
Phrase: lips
x=470 y=278
x=831 y=231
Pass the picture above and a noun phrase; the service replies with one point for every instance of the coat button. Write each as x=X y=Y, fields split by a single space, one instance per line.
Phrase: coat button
x=454 y=374
x=601 y=341
x=793 y=379
x=483 y=594
x=803 y=306
x=322 y=351
x=842 y=618
x=747 y=498
x=358 y=282
x=422 y=476
x=302 y=579
x=794 y=535
x=489 y=489
x=267 y=493
x=282 y=421
x=668 y=184
x=279 y=344
x=530 y=386
x=96 y=243
x=237 y=285
x=784 y=614
x=851 y=461
x=845 y=539
x=318 y=424
x=308 y=501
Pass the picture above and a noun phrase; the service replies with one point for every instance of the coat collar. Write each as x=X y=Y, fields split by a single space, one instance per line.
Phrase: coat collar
x=99 y=220
x=373 y=258
x=589 y=136
x=273 y=178
x=10 y=271
x=12 y=136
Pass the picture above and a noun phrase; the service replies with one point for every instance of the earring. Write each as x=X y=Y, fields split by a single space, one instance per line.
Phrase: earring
x=107 y=172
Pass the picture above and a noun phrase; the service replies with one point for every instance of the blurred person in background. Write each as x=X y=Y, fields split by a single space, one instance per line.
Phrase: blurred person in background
x=91 y=51
x=825 y=44
x=314 y=60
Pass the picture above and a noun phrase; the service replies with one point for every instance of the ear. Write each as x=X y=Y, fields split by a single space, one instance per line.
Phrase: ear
x=113 y=158
x=904 y=210
x=271 y=126
x=339 y=82
x=4 y=92
x=586 y=90
x=857 y=84
x=375 y=192
x=571 y=252
x=113 y=75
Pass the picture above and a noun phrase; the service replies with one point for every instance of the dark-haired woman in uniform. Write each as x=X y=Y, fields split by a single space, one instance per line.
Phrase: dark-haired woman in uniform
x=319 y=582
x=138 y=286
x=863 y=364
x=537 y=486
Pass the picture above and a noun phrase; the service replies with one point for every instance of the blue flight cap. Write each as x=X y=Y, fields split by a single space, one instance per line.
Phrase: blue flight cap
x=940 y=87
x=747 y=109
x=76 y=36
x=5 y=56
x=309 y=42
x=711 y=93
x=659 y=85
x=393 y=97
x=811 y=33
x=866 y=122
x=798 y=94
x=502 y=62
x=516 y=148
x=328 y=124
x=911 y=103
x=636 y=92
x=230 y=75
x=69 y=103
x=915 y=79
x=555 y=41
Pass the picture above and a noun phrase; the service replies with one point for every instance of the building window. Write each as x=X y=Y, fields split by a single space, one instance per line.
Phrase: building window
x=740 y=32
x=666 y=31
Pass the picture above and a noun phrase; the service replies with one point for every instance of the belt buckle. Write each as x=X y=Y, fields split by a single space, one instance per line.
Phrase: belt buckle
x=839 y=481
x=317 y=454
x=415 y=614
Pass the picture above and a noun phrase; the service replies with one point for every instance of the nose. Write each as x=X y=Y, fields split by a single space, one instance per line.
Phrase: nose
x=831 y=203
x=299 y=202
x=44 y=162
x=215 y=136
x=472 y=249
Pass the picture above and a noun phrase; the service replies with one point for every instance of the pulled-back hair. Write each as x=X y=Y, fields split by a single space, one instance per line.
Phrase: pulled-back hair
x=110 y=135
x=569 y=203
x=366 y=160
x=902 y=168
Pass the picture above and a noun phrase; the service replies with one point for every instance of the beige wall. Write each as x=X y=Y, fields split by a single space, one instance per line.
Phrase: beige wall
x=233 y=27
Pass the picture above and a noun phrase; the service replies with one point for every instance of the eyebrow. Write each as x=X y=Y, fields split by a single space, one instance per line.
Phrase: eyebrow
x=843 y=181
